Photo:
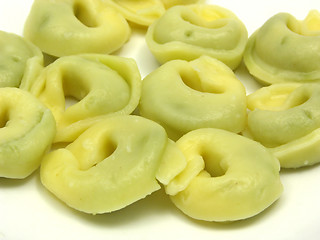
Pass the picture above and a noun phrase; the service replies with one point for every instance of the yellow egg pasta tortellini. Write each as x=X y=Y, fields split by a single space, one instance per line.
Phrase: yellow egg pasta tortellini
x=27 y=129
x=285 y=49
x=67 y=27
x=228 y=177
x=142 y=12
x=101 y=84
x=285 y=117
x=111 y=165
x=183 y=96
x=20 y=60
x=188 y=32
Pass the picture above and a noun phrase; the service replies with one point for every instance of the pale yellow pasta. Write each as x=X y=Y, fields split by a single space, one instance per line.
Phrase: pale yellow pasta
x=20 y=60
x=183 y=96
x=171 y=3
x=142 y=12
x=103 y=85
x=111 y=165
x=188 y=32
x=67 y=27
x=285 y=49
x=285 y=117
x=27 y=129
x=228 y=177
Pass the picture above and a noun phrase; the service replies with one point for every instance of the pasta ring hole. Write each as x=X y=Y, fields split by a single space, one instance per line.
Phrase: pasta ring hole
x=73 y=93
x=193 y=81
x=214 y=164
x=4 y=119
x=70 y=101
x=105 y=149
x=84 y=16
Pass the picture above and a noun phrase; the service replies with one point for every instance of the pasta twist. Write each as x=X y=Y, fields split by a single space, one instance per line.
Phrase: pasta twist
x=103 y=85
x=285 y=117
x=198 y=30
x=27 y=129
x=20 y=60
x=224 y=180
x=183 y=96
x=67 y=27
x=112 y=164
x=285 y=50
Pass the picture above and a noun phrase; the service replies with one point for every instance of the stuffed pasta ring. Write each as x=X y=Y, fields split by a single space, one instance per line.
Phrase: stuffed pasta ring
x=112 y=164
x=20 y=61
x=103 y=85
x=285 y=50
x=27 y=129
x=198 y=30
x=286 y=118
x=228 y=177
x=183 y=96
x=67 y=27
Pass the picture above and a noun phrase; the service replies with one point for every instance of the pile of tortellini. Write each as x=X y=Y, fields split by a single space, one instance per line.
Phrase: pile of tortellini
x=188 y=126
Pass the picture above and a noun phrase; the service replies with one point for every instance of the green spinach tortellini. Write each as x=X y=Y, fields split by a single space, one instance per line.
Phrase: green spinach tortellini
x=27 y=129
x=285 y=117
x=102 y=85
x=190 y=31
x=285 y=50
x=20 y=60
x=142 y=12
x=183 y=96
x=67 y=27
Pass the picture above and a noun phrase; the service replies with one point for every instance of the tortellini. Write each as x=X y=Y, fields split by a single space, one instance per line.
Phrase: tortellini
x=188 y=32
x=142 y=12
x=27 y=129
x=183 y=96
x=111 y=165
x=103 y=85
x=228 y=177
x=285 y=117
x=20 y=60
x=285 y=50
x=67 y=27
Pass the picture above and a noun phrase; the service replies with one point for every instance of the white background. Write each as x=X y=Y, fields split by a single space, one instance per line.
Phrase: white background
x=28 y=211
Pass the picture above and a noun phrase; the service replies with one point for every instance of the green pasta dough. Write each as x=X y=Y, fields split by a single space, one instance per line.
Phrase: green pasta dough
x=183 y=96
x=285 y=117
x=103 y=85
x=67 y=27
x=20 y=60
x=285 y=49
x=190 y=31
x=27 y=129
